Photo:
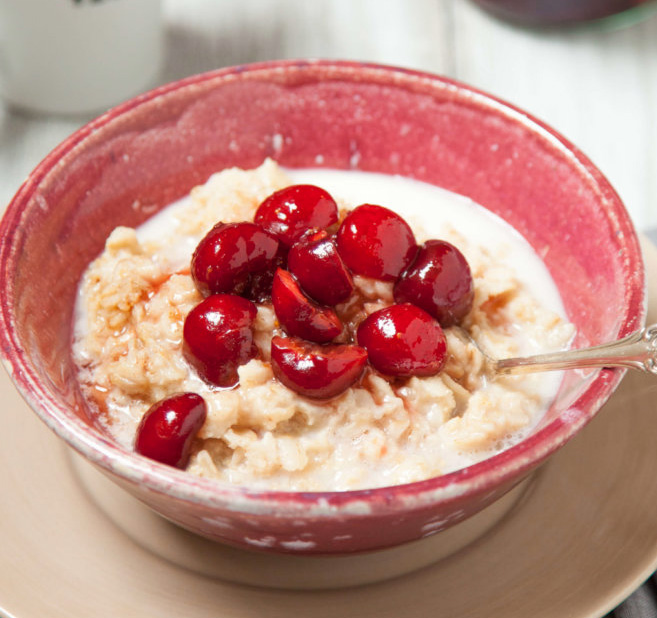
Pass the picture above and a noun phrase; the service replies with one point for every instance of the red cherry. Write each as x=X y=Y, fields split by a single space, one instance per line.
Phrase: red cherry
x=298 y=315
x=237 y=258
x=292 y=211
x=376 y=242
x=439 y=281
x=319 y=269
x=217 y=337
x=403 y=340
x=316 y=371
x=167 y=430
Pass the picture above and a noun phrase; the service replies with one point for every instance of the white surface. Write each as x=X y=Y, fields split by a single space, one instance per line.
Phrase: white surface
x=599 y=88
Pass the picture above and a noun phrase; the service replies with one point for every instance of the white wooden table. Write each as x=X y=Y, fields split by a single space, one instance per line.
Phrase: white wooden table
x=599 y=88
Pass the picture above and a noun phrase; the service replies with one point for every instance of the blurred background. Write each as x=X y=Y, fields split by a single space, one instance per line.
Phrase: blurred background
x=596 y=83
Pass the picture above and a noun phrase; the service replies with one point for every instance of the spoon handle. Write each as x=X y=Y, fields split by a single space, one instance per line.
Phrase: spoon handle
x=636 y=351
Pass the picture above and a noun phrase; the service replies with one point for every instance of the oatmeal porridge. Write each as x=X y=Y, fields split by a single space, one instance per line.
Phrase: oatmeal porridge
x=386 y=418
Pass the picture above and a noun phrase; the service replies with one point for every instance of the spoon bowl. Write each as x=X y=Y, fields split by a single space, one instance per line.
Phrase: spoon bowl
x=637 y=350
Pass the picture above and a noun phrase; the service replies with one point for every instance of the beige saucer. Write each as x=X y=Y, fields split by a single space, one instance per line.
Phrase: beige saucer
x=274 y=570
x=576 y=544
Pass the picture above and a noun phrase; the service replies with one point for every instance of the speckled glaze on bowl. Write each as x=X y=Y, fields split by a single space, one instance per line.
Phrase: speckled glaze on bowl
x=140 y=156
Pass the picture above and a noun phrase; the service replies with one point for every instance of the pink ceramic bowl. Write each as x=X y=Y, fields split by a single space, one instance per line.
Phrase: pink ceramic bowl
x=144 y=154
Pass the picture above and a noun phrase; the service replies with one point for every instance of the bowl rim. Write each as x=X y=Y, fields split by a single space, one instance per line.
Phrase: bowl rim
x=137 y=470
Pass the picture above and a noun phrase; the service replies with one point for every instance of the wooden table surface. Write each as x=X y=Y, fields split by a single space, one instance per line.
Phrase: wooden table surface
x=596 y=86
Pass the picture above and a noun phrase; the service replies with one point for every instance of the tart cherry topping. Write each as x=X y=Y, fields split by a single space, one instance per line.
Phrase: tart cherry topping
x=376 y=242
x=237 y=258
x=315 y=262
x=403 y=340
x=439 y=281
x=240 y=261
x=290 y=212
x=314 y=370
x=298 y=315
x=167 y=430
x=217 y=337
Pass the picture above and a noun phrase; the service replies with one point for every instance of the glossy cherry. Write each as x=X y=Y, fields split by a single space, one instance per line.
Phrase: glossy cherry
x=317 y=371
x=376 y=242
x=315 y=262
x=167 y=430
x=237 y=258
x=403 y=340
x=439 y=281
x=218 y=338
x=292 y=211
x=299 y=315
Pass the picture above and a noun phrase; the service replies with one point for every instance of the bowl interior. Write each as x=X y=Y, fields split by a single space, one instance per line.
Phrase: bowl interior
x=136 y=159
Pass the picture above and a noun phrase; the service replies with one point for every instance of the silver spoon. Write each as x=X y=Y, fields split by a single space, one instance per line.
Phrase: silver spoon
x=636 y=351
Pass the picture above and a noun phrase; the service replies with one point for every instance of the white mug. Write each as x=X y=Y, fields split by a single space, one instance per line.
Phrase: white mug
x=78 y=56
